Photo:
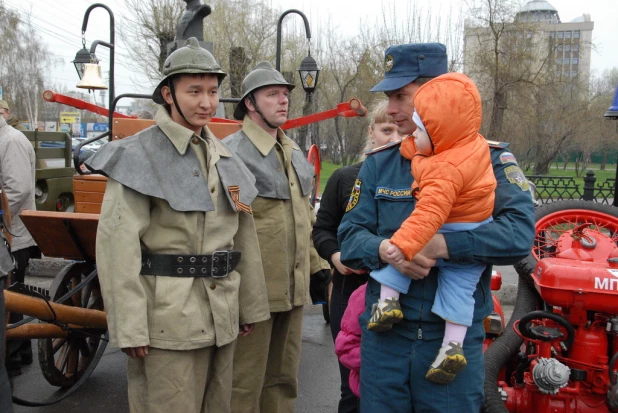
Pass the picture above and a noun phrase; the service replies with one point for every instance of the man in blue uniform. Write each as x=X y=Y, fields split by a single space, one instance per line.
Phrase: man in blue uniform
x=394 y=363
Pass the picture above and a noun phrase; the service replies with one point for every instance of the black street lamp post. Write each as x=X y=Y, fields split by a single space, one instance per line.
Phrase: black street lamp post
x=308 y=70
x=279 y=22
x=612 y=114
x=308 y=67
x=81 y=57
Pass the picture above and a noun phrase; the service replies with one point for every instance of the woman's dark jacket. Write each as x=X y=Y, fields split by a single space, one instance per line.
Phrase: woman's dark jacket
x=332 y=207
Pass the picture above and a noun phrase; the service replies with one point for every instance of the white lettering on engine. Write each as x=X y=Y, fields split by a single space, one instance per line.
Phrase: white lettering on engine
x=610 y=284
x=601 y=283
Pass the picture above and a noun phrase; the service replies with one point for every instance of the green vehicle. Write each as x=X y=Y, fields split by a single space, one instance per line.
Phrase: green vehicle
x=54 y=186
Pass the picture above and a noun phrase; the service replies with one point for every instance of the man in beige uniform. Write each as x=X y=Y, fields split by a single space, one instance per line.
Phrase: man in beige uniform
x=174 y=221
x=266 y=363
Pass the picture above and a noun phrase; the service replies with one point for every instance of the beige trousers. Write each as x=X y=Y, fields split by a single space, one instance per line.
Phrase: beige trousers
x=181 y=381
x=266 y=365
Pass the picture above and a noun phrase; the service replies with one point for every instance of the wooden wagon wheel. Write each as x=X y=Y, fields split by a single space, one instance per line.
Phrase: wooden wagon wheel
x=64 y=360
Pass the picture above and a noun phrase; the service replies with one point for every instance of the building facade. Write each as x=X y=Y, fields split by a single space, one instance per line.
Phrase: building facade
x=560 y=49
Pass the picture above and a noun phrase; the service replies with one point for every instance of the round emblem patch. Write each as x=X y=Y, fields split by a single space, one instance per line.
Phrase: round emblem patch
x=389 y=62
x=516 y=176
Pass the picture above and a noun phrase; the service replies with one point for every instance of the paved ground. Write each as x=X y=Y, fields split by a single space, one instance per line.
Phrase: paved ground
x=105 y=390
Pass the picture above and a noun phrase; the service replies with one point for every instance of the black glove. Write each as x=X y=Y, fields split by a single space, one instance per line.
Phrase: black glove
x=318 y=286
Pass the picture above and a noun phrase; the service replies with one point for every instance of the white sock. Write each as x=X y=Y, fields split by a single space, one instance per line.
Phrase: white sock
x=453 y=332
x=388 y=292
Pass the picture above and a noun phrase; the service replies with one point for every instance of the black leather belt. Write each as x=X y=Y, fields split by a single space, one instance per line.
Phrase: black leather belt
x=216 y=265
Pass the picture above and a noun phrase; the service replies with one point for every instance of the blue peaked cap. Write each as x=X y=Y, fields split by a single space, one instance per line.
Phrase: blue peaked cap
x=404 y=63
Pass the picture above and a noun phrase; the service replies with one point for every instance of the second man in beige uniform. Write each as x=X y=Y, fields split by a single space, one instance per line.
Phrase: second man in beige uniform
x=266 y=363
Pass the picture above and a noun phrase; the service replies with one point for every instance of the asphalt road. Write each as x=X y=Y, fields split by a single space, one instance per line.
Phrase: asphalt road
x=105 y=390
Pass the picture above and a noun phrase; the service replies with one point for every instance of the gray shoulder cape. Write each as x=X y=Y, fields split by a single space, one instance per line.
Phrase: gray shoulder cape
x=149 y=163
x=270 y=182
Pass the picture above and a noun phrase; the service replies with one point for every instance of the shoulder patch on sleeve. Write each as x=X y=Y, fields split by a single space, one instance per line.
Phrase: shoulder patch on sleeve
x=356 y=190
x=496 y=144
x=508 y=157
x=516 y=176
x=383 y=147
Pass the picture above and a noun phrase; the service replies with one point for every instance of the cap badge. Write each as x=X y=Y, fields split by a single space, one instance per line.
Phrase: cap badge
x=389 y=62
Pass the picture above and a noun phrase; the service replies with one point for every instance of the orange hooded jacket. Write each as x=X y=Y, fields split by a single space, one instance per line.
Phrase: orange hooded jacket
x=457 y=181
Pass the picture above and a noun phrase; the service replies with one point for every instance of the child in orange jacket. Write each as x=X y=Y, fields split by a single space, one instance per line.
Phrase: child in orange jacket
x=454 y=186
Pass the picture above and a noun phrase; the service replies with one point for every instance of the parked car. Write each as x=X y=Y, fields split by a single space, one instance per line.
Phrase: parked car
x=76 y=142
x=51 y=144
x=92 y=146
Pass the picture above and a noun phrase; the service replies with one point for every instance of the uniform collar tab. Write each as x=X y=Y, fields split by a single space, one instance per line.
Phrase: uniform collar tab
x=260 y=138
x=176 y=133
x=181 y=136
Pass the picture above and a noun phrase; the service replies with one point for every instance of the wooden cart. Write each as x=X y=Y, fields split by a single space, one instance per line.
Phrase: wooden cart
x=72 y=328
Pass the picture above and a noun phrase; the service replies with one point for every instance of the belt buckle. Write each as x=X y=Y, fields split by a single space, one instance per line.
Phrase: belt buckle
x=216 y=256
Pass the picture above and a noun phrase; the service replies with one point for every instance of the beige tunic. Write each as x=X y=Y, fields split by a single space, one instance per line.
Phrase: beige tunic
x=170 y=312
x=284 y=229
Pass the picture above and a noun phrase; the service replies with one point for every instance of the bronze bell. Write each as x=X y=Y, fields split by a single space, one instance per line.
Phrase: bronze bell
x=92 y=78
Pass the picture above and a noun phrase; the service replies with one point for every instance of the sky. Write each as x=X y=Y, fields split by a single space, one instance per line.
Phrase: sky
x=59 y=24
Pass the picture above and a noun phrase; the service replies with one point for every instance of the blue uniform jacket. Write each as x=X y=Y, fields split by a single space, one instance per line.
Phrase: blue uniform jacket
x=381 y=200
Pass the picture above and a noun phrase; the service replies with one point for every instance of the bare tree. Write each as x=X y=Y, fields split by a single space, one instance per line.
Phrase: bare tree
x=504 y=55
x=558 y=119
x=601 y=133
x=148 y=30
x=351 y=65
x=422 y=24
x=24 y=60
x=248 y=24
x=347 y=73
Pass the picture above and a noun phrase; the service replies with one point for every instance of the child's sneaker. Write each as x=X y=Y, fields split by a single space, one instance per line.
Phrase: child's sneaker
x=384 y=314
x=450 y=361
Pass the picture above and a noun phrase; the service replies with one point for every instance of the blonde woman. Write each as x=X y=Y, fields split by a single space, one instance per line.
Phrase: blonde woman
x=382 y=131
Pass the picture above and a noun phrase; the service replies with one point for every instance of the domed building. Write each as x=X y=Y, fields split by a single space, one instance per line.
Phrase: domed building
x=538 y=11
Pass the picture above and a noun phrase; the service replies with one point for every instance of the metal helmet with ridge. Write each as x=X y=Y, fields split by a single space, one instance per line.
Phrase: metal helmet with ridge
x=189 y=59
x=263 y=74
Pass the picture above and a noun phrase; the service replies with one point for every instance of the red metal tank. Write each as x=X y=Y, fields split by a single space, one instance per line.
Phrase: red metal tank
x=590 y=345
x=564 y=282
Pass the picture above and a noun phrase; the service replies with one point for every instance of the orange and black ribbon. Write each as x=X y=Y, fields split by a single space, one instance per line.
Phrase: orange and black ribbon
x=235 y=194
